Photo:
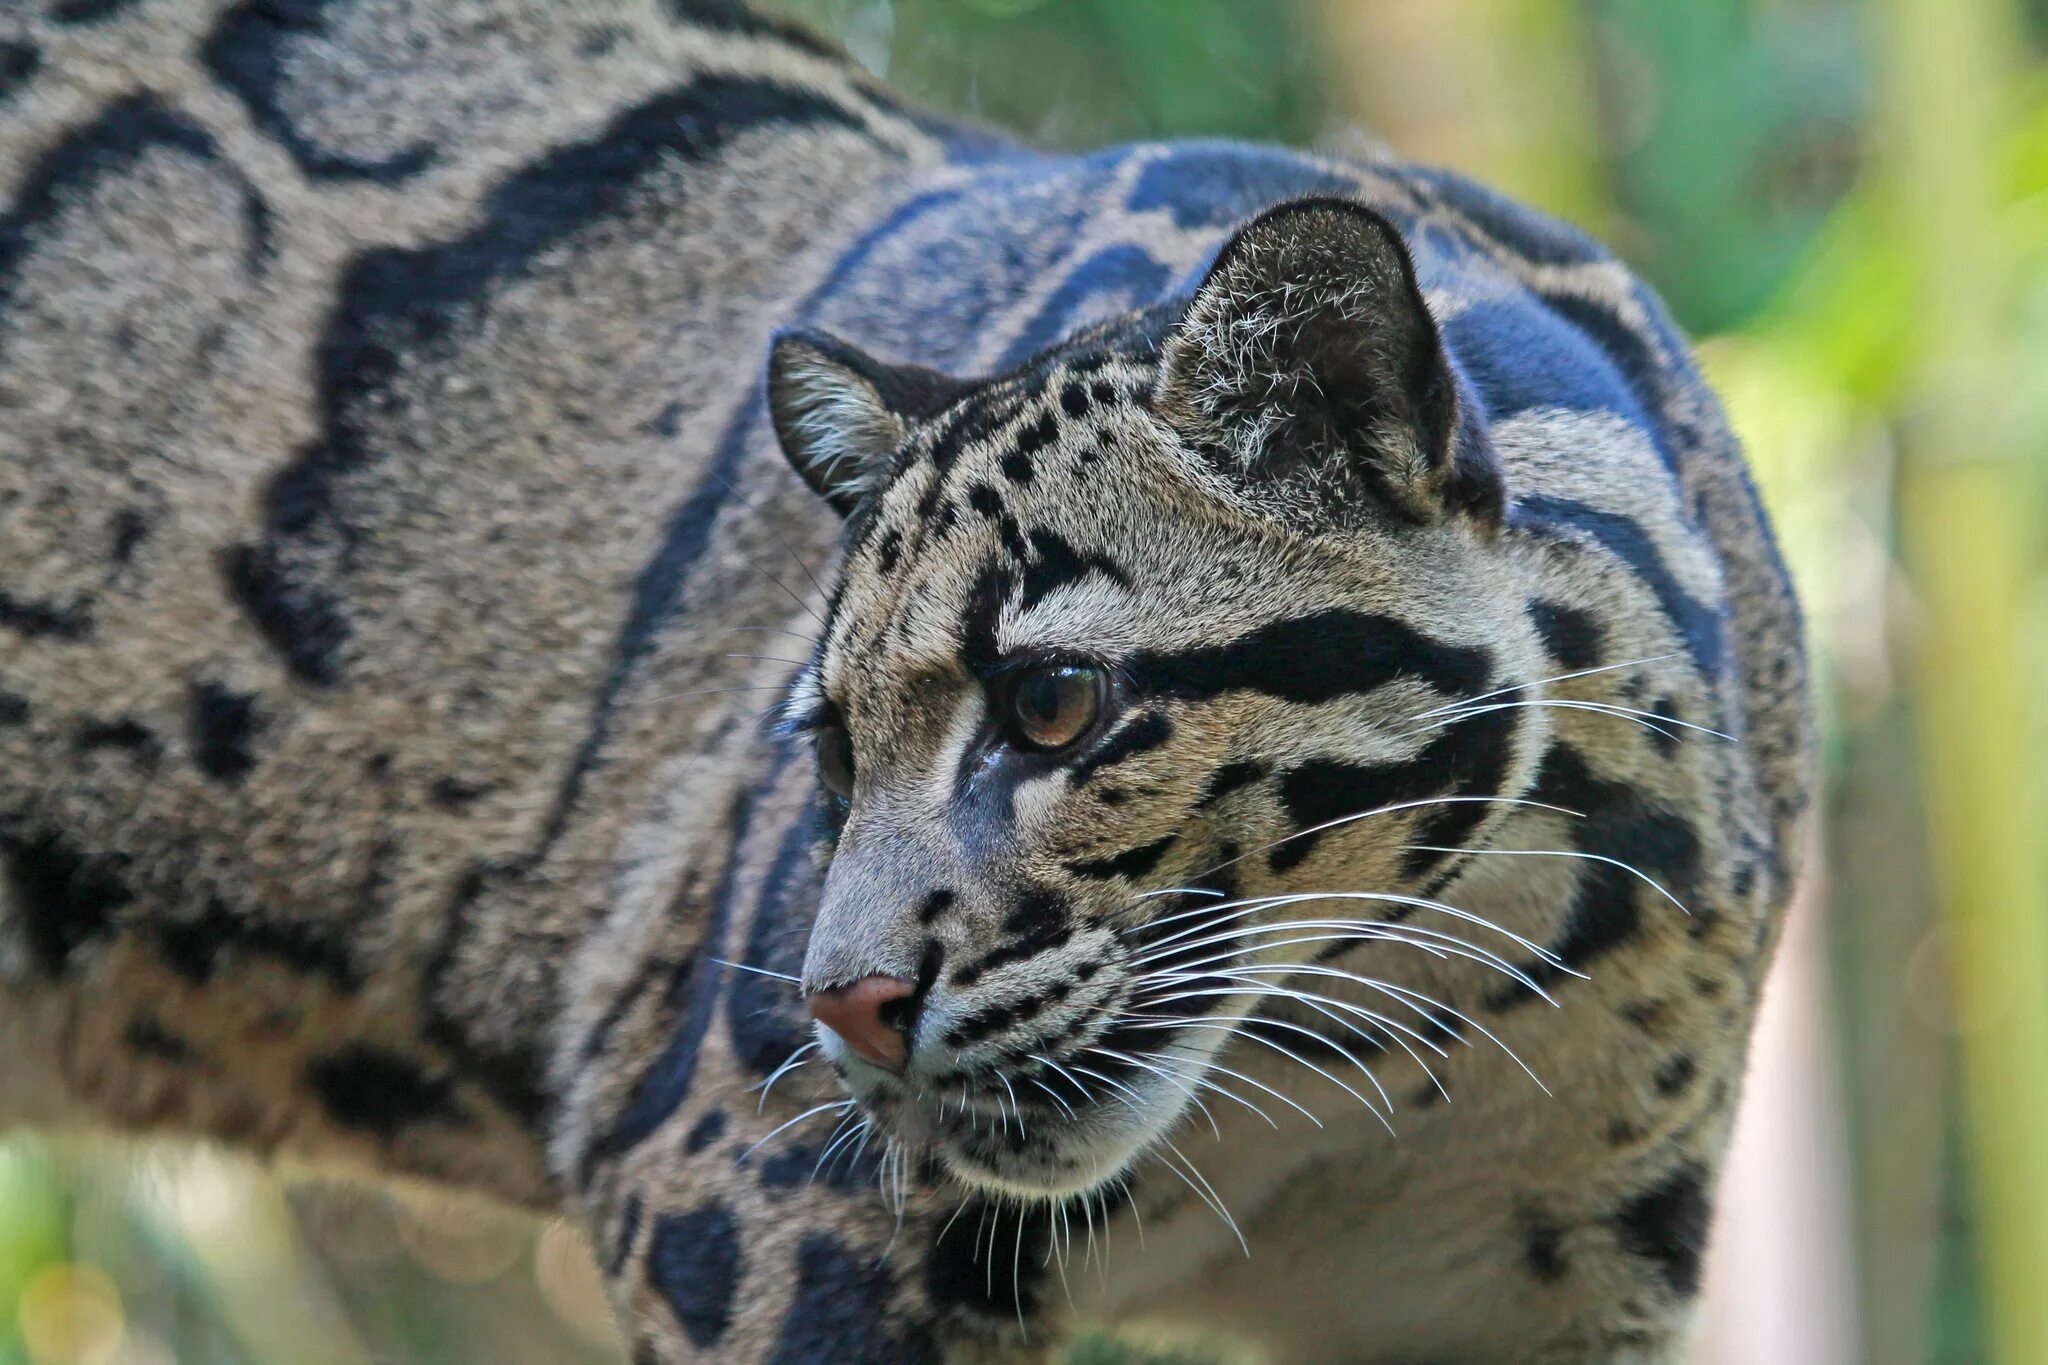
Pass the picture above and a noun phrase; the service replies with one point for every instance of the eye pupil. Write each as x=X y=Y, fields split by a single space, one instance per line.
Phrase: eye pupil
x=1054 y=705
x=835 y=760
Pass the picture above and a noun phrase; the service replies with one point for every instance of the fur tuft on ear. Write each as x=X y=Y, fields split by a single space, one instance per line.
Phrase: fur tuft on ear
x=1308 y=372
x=841 y=415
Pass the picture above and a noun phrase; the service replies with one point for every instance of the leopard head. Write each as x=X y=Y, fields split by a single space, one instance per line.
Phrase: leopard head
x=1133 y=648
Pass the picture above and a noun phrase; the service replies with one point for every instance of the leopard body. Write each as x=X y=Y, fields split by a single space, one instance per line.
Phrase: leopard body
x=404 y=601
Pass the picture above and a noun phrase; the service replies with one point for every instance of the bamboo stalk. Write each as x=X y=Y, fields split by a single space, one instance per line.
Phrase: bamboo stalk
x=1964 y=509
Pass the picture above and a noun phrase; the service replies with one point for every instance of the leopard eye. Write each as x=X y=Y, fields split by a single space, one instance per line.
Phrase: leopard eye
x=1052 y=706
x=835 y=760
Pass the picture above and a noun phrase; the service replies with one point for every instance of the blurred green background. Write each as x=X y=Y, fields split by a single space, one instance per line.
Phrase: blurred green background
x=1847 y=202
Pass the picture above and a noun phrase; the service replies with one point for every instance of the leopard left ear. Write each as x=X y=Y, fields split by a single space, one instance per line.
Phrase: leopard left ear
x=842 y=415
x=1308 y=374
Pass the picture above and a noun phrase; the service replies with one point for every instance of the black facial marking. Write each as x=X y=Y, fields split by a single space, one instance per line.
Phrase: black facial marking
x=1543 y=1249
x=1074 y=399
x=1131 y=863
x=838 y=1314
x=1141 y=734
x=708 y=1130
x=1619 y=824
x=379 y=1091
x=888 y=550
x=1042 y=921
x=935 y=905
x=223 y=722
x=1702 y=626
x=1053 y=563
x=13 y=710
x=1665 y=737
x=1469 y=756
x=1473 y=757
x=1570 y=636
x=66 y=896
x=1227 y=779
x=969 y=424
x=1017 y=467
x=693 y=1259
x=1667 y=1225
x=979 y=652
x=1316 y=658
x=1676 y=1075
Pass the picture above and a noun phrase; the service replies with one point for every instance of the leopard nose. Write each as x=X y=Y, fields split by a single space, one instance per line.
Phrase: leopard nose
x=859 y=1015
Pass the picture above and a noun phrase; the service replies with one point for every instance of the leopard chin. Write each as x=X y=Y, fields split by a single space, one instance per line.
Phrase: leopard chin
x=1047 y=1149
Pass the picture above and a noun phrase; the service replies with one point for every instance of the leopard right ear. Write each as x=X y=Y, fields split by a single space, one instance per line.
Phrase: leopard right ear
x=842 y=415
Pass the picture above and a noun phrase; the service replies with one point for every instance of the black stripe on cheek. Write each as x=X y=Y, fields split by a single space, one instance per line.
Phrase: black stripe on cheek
x=1147 y=732
x=1473 y=758
x=1316 y=658
x=1570 y=636
x=1470 y=757
x=1131 y=863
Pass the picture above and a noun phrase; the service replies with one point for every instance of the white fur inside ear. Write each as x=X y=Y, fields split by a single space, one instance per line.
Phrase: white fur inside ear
x=835 y=426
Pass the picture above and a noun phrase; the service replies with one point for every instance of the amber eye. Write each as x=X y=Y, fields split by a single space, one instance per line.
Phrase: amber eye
x=1053 y=705
x=835 y=760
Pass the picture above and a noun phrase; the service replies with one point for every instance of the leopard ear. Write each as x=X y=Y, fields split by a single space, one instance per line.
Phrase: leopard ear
x=842 y=415
x=1308 y=374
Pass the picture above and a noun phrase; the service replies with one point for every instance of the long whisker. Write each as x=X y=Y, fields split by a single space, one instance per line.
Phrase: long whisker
x=1205 y=1191
x=789 y=1064
x=1397 y=806
x=1431 y=941
x=1649 y=720
x=1171 y=1078
x=1254 y=904
x=833 y=1106
x=1629 y=868
x=1214 y=1065
x=759 y=971
x=1544 y=682
x=1236 y=1031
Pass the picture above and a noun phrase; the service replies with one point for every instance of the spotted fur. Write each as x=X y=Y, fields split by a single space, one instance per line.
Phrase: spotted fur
x=414 y=588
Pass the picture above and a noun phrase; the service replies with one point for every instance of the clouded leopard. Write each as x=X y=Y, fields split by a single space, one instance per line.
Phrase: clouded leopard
x=594 y=609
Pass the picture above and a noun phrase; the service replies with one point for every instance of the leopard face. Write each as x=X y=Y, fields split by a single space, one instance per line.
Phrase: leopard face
x=1140 y=691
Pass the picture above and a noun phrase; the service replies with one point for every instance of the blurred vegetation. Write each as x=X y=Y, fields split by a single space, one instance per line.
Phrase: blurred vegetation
x=1847 y=201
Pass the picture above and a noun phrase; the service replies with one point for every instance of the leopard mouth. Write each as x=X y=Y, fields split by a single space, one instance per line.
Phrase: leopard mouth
x=1040 y=1131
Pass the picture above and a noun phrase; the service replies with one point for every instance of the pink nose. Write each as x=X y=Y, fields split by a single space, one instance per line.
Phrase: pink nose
x=855 y=1014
